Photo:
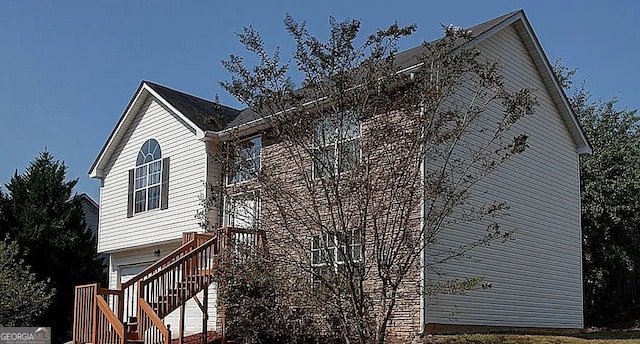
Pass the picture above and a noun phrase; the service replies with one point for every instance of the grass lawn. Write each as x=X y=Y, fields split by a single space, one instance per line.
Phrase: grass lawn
x=614 y=337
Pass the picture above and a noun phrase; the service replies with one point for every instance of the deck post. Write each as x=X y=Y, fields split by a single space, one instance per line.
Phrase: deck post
x=205 y=315
x=181 y=329
x=94 y=312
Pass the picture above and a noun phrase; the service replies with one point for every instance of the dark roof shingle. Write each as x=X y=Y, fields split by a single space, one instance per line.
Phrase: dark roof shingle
x=408 y=58
x=215 y=117
x=207 y=115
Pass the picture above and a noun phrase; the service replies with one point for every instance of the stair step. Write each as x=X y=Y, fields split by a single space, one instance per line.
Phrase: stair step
x=177 y=294
x=157 y=305
x=131 y=336
x=132 y=325
x=207 y=272
x=190 y=289
x=192 y=284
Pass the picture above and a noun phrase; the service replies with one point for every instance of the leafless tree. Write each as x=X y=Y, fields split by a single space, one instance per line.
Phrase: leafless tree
x=364 y=164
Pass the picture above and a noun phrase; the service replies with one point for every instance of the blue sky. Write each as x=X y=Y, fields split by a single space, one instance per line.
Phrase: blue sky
x=69 y=68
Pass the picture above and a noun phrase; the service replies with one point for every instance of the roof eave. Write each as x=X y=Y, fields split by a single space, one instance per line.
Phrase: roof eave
x=238 y=130
x=535 y=50
x=96 y=170
x=89 y=199
x=580 y=138
x=140 y=96
x=544 y=66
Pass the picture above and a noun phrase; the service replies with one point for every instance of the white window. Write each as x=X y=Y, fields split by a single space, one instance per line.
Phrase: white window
x=246 y=162
x=242 y=211
x=332 y=249
x=330 y=252
x=148 y=177
x=336 y=145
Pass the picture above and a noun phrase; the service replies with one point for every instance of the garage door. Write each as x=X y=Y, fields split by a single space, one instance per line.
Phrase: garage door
x=126 y=273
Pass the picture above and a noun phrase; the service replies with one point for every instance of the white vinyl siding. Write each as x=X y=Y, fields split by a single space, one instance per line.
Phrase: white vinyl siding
x=186 y=182
x=537 y=277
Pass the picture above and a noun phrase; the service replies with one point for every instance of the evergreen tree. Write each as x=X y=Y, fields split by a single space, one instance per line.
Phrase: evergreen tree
x=610 y=189
x=23 y=297
x=47 y=222
x=610 y=179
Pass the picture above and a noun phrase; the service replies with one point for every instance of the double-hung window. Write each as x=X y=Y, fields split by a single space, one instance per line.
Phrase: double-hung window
x=331 y=251
x=246 y=160
x=148 y=187
x=148 y=177
x=336 y=144
x=335 y=248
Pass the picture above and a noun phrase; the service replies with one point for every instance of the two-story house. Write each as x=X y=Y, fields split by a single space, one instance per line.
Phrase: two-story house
x=156 y=163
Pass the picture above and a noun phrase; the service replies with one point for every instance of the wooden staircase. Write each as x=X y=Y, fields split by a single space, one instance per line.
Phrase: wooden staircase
x=134 y=313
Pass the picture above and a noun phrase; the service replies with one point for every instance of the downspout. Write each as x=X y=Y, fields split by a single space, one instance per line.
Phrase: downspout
x=423 y=303
x=211 y=139
x=580 y=241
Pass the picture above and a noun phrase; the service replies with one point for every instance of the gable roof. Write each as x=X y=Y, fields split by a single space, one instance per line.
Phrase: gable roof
x=197 y=113
x=409 y=59
x=521 y=24
x=194 y=112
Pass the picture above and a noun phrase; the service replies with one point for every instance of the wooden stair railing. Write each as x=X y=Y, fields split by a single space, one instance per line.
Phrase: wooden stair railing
x=179 y=281
x=157 y=290
x=151 y=329
x=94 y=321
x=127 y=307
x=83 y=313
x=108 y=328
x=241 y=243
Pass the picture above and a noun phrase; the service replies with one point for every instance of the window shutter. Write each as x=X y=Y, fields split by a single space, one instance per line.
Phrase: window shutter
x=130 y=193
x=164 y=194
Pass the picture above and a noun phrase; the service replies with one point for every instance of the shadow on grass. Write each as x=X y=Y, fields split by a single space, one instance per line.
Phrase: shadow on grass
x=629 y=334
x=600 y=337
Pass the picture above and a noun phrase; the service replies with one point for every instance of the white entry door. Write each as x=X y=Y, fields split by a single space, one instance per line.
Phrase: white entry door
x=242 y=210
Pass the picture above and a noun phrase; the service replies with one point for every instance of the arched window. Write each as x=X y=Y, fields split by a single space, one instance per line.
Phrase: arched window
x=149 y=152
x=148 y=182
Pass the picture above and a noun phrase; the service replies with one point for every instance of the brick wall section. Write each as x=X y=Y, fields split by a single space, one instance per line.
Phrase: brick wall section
x=291 y=221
